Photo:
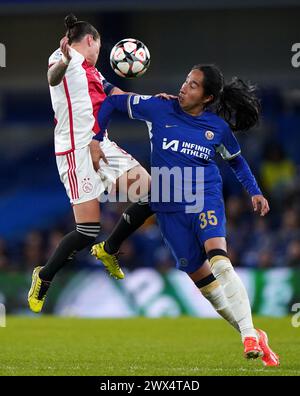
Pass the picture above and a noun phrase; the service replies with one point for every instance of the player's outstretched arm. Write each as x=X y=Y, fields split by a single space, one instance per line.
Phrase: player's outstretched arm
x=58 y=70
x=244 y=175
x=162 y=95
x=111 y=103
x=141 y=107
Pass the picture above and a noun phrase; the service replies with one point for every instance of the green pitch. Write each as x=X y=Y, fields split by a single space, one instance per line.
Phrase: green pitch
x=182 y=346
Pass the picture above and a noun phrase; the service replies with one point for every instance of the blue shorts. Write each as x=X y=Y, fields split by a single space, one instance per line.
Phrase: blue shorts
x=185 y=233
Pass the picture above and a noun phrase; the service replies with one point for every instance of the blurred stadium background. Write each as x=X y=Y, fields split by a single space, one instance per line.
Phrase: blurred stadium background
x=251 y=39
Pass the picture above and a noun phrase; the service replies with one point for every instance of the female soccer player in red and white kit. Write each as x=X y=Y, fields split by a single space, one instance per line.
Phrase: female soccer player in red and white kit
x=77 y=91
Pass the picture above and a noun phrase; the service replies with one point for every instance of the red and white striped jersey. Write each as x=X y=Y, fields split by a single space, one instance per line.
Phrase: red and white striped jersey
x=76 y=102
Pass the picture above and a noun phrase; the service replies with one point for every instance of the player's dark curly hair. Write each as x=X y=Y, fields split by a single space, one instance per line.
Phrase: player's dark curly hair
x=76 y=30
x=236 y=101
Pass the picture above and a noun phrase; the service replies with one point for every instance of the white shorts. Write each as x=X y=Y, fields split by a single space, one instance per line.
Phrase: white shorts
x=82 y=182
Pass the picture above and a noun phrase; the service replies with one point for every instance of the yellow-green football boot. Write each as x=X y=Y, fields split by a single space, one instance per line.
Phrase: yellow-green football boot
x=110 y=261
x=37 y=292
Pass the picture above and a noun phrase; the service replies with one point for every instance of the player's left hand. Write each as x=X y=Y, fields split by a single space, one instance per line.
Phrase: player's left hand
x=260 y=204
x=164 y=95
x=97 y=154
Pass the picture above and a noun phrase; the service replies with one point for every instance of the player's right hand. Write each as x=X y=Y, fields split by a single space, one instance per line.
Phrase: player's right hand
x=164 y=95
x=65 y=48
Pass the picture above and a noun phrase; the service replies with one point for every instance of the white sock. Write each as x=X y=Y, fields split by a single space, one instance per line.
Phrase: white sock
x=235 y=293
x=214 y=293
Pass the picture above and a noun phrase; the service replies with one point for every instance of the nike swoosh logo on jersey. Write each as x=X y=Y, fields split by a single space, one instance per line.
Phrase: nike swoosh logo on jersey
x=170 y=126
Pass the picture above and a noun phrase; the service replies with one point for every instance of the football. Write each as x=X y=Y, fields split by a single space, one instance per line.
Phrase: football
x=130 y=58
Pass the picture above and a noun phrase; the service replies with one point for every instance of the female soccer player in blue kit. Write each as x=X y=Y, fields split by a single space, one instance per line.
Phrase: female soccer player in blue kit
x=186 y=133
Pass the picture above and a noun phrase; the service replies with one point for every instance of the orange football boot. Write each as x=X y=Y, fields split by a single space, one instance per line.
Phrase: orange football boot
x=270 y=358
x=252 y=350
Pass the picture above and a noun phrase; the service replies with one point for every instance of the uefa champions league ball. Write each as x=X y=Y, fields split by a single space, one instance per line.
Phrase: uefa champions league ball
x=130 y=58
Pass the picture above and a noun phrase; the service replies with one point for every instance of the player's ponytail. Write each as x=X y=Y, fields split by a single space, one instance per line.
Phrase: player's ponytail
x=238 y=105
x=76 y=30
x=236 y=101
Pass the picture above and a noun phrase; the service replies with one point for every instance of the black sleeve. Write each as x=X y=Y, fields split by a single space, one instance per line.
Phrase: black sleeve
x=108 y=87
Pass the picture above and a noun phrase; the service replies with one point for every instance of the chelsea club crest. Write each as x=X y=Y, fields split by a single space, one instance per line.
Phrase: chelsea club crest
x=209 y=135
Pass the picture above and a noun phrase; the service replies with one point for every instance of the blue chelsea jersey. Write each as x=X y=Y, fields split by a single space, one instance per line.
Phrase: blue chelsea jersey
x=187 y=143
